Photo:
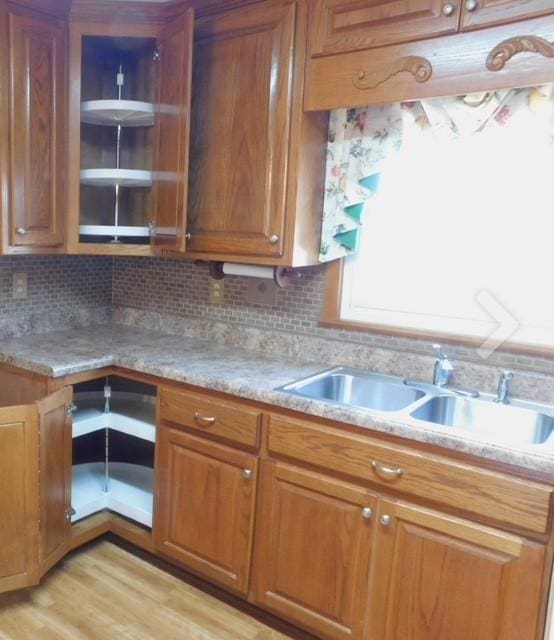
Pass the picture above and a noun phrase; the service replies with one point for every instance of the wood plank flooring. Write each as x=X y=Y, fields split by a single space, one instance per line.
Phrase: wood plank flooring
x=104 y=592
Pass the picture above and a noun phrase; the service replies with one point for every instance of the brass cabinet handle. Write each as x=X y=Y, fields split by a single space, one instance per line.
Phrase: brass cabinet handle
x=274 y=239
x=21 y=231
x=247 y=474
x=188 y=235
x=470 y=5
x=204 y=420
x=448 y=9
x=367 y=513
x=387 y=473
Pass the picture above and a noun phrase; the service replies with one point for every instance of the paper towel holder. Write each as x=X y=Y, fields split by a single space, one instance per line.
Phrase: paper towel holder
x=283 y=277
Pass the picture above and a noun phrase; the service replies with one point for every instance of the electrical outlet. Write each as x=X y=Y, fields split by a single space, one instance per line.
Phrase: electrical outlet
x=19 y=285
x=217 y=291
x=261 y=291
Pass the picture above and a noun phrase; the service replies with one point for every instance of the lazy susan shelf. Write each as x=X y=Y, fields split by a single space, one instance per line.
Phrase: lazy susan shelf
x=114 y=230
x=127 y=113
x=113 y=177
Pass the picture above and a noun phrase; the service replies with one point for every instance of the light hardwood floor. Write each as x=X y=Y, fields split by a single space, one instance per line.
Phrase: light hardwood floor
x=104 y=592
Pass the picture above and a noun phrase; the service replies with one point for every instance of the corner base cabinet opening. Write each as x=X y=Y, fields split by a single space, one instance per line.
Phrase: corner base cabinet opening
x=114 y=434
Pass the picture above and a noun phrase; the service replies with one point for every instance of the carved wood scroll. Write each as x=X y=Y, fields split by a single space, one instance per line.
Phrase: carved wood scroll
x=507 y=49
x=419 y=67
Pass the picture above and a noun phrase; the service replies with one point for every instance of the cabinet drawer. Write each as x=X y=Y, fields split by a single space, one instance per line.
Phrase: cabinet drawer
x=339 y=26
x=493 y=495
x=228 y=420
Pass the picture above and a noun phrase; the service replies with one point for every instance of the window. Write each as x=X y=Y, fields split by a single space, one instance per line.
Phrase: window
x=459 y=239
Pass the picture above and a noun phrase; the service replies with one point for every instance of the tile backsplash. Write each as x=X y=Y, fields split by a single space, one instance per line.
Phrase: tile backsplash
x=62 y=291
x=181 y=289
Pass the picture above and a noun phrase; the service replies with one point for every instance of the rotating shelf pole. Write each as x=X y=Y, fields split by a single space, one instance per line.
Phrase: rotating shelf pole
x=120 y=82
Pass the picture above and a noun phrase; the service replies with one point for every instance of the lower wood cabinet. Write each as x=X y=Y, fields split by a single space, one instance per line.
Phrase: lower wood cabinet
x=313 y=548
x=204 y=514
x=435 y=576
x=35 y=496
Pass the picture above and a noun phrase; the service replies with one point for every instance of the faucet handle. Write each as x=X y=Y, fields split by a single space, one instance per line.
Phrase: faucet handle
x=440 y=353
x=507 y=375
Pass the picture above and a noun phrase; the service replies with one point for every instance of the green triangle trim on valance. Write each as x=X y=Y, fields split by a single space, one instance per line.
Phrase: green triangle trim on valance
x=349 y=239
x=355 y=211
x=371 y=182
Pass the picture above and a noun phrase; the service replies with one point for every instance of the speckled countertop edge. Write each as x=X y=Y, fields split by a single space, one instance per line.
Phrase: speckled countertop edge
x=245 y=374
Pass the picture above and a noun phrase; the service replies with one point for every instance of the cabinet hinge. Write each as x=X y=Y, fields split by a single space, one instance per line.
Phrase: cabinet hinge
x=156 y=55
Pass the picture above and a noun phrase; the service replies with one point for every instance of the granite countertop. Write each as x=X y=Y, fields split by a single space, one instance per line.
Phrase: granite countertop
x=237 y=371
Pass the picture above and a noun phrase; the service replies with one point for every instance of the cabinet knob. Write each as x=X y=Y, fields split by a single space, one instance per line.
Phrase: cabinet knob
x=367 y=513
x=71 y=409
x=385 y=520
x=470 y=5
x=247 y=474
x=448 y=9
x=273 y=239
x=21 y=231
x=188 y=235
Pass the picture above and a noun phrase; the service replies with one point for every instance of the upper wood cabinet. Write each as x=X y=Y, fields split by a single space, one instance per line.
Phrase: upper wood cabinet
x=478 y=13
x=129 y=134
x=434 y=576
x=257 y=162
x=37 y=125
x=348 y=25
x=205 y=498
x=313 y=547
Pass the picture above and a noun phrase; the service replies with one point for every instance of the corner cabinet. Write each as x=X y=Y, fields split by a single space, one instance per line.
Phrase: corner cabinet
x=129 y=121
x=257 y=161
x=35 y=446
x=34 y=175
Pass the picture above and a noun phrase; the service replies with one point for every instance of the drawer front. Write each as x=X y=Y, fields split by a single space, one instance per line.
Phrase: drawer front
x=227 y=420
x=338 y=26
x=490 y=494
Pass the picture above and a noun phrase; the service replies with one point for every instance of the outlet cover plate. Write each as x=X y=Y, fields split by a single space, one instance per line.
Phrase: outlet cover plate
x=217 y=291
x=19 y=285
x=262 y=291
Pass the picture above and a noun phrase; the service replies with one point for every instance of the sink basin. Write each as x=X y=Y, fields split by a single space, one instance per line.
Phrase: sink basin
x=357 y=388
x=505 y=423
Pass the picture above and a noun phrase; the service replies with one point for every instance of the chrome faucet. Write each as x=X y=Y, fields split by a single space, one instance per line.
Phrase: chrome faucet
x=503 y=394
x=442 y=373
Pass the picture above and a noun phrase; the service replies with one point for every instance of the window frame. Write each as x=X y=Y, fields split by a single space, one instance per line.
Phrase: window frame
x=330 y=318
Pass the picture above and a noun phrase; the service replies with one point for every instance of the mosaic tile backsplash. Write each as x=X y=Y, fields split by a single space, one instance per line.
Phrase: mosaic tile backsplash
x=181 y=289
x=62 y=292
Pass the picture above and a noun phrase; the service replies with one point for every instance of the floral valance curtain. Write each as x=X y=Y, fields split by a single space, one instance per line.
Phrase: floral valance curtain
x=362 y=140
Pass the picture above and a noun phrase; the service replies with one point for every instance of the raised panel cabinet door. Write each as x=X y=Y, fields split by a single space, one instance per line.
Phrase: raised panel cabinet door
x=436 y=577
x=349 y=25
x=37 y=130
x=477 y=13
x=313 y=547
x=240 y=130
x=171 y=159
x=55 y=446
x=205 y=497
x=19 y=477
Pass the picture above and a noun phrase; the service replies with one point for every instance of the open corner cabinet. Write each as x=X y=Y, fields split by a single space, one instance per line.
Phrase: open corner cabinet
x=130 y=92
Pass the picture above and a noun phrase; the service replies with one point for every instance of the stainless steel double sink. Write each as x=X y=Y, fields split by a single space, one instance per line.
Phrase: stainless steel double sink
x=519 y=422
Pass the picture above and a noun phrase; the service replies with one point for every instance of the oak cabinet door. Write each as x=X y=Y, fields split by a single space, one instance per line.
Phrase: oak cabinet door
x=240 y=131
x=172 y=133
x=55 y=440
x=437 y=577
x=478 y=13
x=313 y=544
x=37 y=130
x=18 y=498
x=349 y=25
x=205 y=496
